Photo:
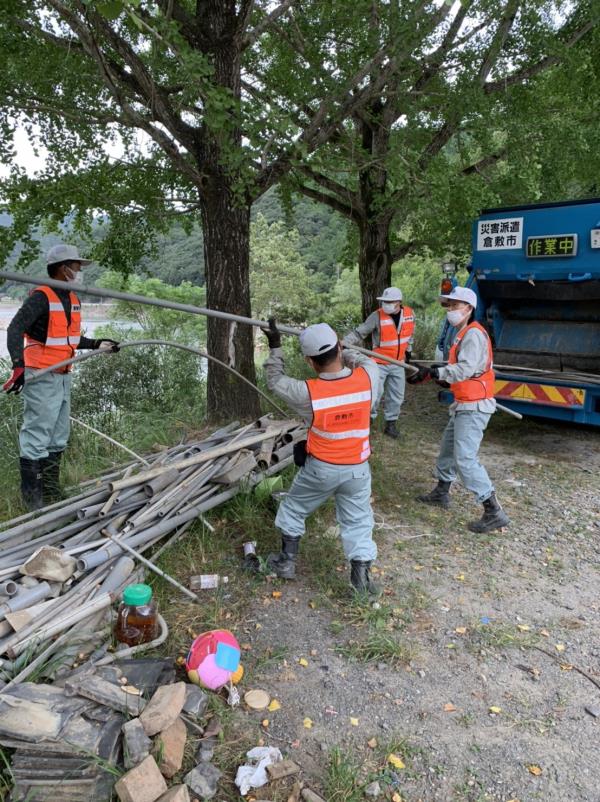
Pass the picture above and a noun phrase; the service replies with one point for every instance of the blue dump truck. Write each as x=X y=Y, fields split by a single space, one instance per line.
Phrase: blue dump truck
x=536 y=271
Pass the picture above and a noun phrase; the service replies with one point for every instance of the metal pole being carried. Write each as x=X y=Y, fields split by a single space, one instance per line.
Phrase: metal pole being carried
x=194 y=310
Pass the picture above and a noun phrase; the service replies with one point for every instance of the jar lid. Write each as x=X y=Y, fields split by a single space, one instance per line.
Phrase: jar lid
x=137 y=594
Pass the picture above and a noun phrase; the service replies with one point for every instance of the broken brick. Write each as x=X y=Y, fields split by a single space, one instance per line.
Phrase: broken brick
x=169 y=748
x=144 y=783
x=164 y=707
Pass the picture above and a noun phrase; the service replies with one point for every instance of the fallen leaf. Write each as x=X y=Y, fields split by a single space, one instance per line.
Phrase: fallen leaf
x=303 y=661
x=535 y=770
x=449 y=707
x=247 y=647
x=273 y=706
x=372 y=743
x=277 y=594
x=312 y=605
x=418 y=567
x=560 y=647
x=265 y=722
x=460 y=630
x=313 y=652
x=495 y=710
x=566 y=667
x=523 y=627
x=460 y=577
x=545 y=633
x=396 y=797
x=354 y=721
x=308 y=723
x=131 y=689
x=395 y=761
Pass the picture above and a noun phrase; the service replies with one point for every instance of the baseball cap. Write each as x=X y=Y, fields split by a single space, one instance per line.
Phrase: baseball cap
x=391 y=294
x=317 y=339
x=461 y=294
x=65 y=253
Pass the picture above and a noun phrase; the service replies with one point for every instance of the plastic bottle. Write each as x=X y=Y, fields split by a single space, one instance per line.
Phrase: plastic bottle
x=137 y=617
x=207 y=581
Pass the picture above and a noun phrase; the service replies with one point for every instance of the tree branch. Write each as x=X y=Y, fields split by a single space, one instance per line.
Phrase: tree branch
x=486 y=161
x=328 y=200
x=498 y=40
x=532 y=70
x=264 y=24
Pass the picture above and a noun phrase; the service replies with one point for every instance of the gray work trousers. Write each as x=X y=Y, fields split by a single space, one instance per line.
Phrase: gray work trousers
x=46 y=409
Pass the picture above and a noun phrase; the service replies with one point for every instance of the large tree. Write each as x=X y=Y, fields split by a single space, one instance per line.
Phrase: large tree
x=87 y=79
x=489 y=104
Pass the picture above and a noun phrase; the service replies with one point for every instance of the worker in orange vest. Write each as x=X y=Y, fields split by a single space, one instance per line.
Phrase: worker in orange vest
x=45 y=331
x=470 y=375
x=392 y=328
x=333 y=461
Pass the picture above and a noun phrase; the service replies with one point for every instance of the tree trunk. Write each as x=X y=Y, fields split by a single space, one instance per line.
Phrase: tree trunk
x=375 y=262
x=375 y=258
x=226 y=229
x=226 y=223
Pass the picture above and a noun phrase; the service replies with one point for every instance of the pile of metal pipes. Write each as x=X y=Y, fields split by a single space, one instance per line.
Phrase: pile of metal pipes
x=62 y=567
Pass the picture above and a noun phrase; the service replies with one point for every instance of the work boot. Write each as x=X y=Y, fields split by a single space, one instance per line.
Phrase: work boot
x=50 y=466
x=284 y=563
x=360 y=578
x=31 y=483
x=439 y=496
x=493 y=517
x=391 y=430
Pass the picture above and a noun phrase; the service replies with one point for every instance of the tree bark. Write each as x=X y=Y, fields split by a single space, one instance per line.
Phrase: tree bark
x=375 y=257
x=226 y=227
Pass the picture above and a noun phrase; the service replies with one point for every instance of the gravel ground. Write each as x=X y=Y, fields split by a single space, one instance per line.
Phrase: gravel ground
x=473 y=669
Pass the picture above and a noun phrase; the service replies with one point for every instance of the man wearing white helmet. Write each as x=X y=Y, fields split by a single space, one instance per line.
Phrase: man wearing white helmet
x=470 y=375
x=333 y=461
x=392 y=329
x=45 y=331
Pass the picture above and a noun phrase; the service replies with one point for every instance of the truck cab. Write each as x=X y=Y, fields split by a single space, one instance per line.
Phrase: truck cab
x=536 y=271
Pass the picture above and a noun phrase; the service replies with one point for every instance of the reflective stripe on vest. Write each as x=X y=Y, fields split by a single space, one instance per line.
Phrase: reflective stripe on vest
x=394 y=342
x=340 y=428
x=477 y=388
x=62 y=338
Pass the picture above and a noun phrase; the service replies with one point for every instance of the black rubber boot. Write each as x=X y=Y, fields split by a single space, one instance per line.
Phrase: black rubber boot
x=360 y=578
x=439 y=496
x=51 y=477
x=284 y=563
x=391 y=430
x=31 y=483
x=493 y=517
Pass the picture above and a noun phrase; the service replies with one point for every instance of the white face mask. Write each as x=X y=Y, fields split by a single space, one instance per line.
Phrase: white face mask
x=390 y=308
x=456 y=317
x=74 y=276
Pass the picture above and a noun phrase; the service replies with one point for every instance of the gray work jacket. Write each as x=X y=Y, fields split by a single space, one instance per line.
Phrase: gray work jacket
x=295 y=392
x=472 y=361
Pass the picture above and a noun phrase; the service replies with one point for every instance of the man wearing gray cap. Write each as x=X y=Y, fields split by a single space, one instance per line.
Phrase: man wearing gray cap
x=45 y=331
x=333 y=461
x=470 y=375
x=392 y=329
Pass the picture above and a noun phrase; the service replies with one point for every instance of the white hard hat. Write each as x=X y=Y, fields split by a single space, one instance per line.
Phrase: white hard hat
x=461 y=294
x=317 y=339
x=390 y=294
x=65 y=253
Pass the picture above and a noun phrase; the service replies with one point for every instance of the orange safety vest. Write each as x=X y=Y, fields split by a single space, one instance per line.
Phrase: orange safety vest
x=339 y=432
x=62 y=338
x=393 y=343
x=476 y=388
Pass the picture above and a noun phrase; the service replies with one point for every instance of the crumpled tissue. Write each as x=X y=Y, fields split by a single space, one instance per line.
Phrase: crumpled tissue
x=254 y=775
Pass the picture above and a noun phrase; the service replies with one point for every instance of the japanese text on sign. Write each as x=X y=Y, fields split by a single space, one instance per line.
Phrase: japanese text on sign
x=552 y=246
x=495 y=235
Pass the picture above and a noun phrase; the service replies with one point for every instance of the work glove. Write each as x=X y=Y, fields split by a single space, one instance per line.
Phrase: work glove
x=112 y=344
x=408 y=357
x=273 y=334
x=15 y=382
x=424 y=375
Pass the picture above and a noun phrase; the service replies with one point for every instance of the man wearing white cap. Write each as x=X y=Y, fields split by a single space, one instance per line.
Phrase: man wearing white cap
x=333 y=461
x=470 y=375
x=392 y=329
x=45 y=331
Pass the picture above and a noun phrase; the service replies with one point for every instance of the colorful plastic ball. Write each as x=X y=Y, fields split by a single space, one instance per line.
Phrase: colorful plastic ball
x=213 y=658
x=238 y=674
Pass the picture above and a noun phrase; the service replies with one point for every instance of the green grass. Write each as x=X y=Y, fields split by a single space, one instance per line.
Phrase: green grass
x=341 y=782
x=379 y=647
